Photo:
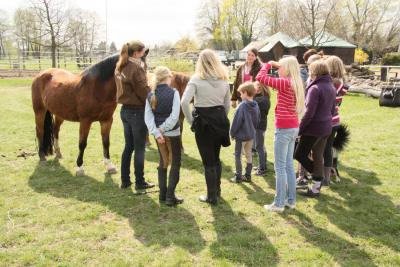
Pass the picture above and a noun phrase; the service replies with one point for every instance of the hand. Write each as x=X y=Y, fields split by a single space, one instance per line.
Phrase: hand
x=274 y=64
x=233 y=104
x=161 y=130
x=161 y=140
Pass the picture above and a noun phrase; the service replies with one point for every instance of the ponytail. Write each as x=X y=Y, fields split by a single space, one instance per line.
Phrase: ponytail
x=123 y=58
x=127 y=51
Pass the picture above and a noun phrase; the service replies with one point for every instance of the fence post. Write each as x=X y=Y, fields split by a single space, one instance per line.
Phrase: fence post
x=384 y=74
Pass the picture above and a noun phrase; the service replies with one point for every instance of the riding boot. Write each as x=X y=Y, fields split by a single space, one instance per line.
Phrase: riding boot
x=327 y=176
x=219 y=173
x=171 y=198
x=211 y=181
x=249 y=167
x=162 y=183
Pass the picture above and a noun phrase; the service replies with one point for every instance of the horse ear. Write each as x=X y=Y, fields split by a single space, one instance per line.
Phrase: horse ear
x=146 y=52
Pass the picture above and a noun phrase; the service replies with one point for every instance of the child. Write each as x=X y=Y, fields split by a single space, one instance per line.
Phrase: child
x=243 y=130
x=162 y=120
x=290 y=105
x=262 y=99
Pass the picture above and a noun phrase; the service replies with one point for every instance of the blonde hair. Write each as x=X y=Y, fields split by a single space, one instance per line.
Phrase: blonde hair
x=209 y=66
x=127 y=51
x=247 y=87
x=336 y=67
x=291 y=70
x=161 y=73
x=314 y=58
x=318 y=68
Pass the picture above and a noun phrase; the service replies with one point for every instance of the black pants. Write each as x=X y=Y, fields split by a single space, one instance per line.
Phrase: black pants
x=209 y=147
x=328 y=153
x=316 y=145
x=135 y=132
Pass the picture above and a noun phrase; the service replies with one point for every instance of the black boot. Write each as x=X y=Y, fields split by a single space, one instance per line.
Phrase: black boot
x=247 y=176
x=162 y=183
x=219 y=173
x=171 y=199
x=211 y=181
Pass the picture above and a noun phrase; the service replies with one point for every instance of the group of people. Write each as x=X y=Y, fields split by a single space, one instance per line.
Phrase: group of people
x=306 y=113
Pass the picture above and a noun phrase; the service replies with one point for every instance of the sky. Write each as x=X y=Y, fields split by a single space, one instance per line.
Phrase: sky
x=151 y=21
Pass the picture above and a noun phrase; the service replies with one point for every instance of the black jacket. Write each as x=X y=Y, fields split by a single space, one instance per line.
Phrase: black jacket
x=263 y=104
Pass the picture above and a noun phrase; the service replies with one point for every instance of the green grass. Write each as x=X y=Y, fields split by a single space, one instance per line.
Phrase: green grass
x=49 y=217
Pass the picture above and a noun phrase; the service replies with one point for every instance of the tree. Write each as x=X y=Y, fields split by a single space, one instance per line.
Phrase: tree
x=209 y=27
x=113 y=48
x=313 y=17
x=82 y=25
x=4 y=27
x=186 y=44
x=53 y=18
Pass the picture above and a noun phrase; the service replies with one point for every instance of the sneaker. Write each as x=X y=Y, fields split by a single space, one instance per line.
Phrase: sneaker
x=144 y=185
x=260 y=172
x=236 y=179
x=126 y=185
x=290 y=206
x=255 y=168
x=301 y=183
x=205 y=199
x=272 y=207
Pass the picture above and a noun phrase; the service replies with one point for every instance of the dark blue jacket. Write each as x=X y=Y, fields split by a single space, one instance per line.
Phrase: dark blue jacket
x=245 y=121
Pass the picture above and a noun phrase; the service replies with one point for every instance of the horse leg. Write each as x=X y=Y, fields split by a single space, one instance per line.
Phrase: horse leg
x=39 y=119
x=57 y=124
x=84 y=129
x=105 y=137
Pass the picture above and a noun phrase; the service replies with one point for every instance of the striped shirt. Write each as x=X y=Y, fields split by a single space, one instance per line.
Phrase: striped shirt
x=285 y=109
x=341 y=90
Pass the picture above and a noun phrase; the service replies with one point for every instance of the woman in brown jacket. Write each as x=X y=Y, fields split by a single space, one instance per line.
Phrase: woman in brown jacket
x=132 y=90
x=247 y=72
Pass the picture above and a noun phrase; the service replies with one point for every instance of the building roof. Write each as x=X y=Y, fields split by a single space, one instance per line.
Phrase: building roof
x=256 y=44
x=326 y=39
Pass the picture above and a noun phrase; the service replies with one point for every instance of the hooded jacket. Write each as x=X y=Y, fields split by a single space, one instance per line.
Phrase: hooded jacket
x=245 y=121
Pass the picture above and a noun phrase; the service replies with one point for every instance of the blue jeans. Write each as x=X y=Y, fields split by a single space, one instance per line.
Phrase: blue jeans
x=285 y=174
x=135 y=132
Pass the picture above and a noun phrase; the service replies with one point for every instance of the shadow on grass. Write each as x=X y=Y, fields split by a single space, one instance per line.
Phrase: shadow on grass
x=361 y=211
x=152 y=224
x=344 y=252
x=240 y=241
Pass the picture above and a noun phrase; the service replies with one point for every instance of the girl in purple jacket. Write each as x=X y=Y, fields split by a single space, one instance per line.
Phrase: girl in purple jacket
x=316 y=124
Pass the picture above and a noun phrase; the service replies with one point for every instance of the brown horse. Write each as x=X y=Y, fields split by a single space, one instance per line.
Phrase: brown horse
x=84 y=98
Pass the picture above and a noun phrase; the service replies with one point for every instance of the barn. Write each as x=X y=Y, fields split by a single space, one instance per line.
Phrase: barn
x=274 y=47
x=331 y=45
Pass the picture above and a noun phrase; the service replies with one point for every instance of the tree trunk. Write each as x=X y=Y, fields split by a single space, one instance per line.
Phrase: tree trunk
x=53 y=52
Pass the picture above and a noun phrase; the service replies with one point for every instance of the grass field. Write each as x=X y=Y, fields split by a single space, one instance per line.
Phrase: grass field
x=49 y=217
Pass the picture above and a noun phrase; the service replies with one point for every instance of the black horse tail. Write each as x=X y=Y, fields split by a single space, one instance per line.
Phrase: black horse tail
x=342 y=137
x=48 y=137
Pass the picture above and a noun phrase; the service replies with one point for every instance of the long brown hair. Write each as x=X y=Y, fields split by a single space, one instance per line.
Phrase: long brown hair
x=257 y=64
x=127 y=51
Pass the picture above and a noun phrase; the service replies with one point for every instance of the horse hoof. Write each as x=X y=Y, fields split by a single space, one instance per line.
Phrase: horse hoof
x=80 y=171
x=59 y=156
x=42 y=162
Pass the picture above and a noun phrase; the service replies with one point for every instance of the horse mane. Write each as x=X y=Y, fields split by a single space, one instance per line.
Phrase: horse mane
x=102 y=70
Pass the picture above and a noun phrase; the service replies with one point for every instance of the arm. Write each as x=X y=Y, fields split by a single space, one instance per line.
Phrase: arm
x=236 y=123
x=140 y=84
x=279 y=84
x=185 y=102
x=149 y=120
x=226 y=100
x=312 y=100
x=173 y=118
